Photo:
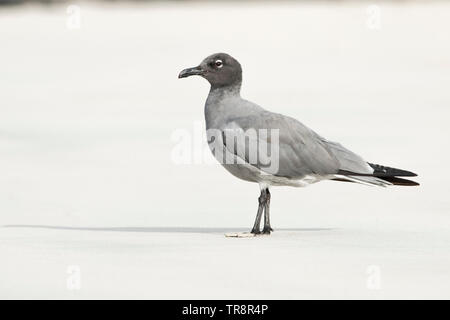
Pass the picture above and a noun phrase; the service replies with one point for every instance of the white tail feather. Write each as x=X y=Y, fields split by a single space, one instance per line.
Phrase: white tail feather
x=368 y=181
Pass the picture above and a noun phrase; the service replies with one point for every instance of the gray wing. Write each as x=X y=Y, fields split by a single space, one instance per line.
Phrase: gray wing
x=300 y=150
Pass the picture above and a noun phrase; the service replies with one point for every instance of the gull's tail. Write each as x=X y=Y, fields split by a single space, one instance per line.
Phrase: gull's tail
x=381 y=176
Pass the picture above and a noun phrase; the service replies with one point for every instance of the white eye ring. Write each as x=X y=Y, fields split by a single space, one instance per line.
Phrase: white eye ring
x=219 y=63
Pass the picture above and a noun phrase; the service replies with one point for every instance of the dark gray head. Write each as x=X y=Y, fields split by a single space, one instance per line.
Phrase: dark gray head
x=220 y=69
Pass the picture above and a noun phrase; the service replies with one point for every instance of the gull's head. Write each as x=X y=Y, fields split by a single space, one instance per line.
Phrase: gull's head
x=220 y=69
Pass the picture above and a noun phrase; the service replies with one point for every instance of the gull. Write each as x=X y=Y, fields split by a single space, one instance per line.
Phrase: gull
x=238 y=129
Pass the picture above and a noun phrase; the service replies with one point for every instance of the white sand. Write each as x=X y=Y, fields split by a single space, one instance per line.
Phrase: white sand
x=154 y=264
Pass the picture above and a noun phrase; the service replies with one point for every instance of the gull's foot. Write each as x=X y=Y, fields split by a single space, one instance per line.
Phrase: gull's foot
x=267 y=230
x=255 y=231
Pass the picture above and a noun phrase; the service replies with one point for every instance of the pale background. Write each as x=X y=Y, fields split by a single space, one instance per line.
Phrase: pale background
x=86 y=121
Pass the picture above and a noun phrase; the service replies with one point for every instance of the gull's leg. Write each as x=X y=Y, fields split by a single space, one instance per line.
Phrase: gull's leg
x=261 y=203
x=267 y=228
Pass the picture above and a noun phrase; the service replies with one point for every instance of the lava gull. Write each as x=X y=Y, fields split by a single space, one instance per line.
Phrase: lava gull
x=271 y=149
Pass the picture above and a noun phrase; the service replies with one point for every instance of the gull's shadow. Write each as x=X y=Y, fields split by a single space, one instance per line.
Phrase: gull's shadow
x=158 y=229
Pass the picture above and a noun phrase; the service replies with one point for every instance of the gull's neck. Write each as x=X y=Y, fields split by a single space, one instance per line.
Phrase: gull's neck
x=217 y=103
x=224 y=92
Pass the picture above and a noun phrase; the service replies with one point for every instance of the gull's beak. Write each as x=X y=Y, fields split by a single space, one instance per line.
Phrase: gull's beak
x=195 y=71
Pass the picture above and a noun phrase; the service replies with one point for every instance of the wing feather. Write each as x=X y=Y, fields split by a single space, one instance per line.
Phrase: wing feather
x=301 y=151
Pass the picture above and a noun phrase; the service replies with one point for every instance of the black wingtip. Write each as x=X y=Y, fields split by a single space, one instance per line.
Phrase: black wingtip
x=400 y=182
x=383 y=171
x=388 y=174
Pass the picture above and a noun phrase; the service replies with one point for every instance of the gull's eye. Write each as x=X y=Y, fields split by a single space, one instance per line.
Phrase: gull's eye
x=219 y=63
